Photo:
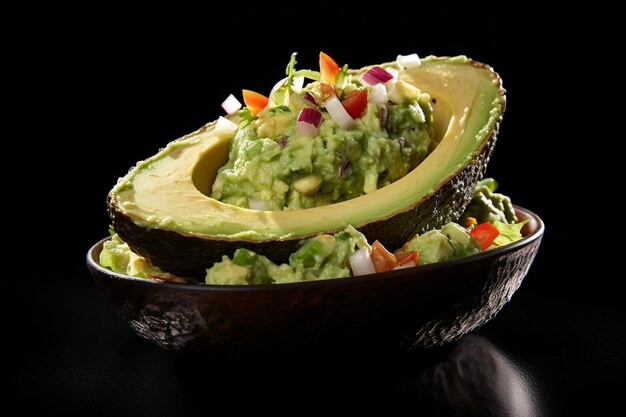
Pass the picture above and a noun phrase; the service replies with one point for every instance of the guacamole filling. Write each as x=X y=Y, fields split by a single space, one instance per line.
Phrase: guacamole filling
x=347 y=253
x=338 y=137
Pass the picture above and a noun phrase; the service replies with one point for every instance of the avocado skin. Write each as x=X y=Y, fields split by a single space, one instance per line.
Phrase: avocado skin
x=190 y=255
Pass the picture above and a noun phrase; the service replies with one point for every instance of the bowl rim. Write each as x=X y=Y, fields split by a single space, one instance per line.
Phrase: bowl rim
x=536 y=224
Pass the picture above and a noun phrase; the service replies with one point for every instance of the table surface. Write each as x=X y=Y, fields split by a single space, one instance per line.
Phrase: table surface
x=555 y=349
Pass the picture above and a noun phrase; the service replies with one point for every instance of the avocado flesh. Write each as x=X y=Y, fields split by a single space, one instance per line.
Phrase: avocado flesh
x=162 y=210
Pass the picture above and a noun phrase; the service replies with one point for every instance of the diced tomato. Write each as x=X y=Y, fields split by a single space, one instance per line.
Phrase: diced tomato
x=327 y=90
x=328 y=69
x=407 y=258
x=255 y=101
x=355 y=103
x=382 y=259
x=485 y=234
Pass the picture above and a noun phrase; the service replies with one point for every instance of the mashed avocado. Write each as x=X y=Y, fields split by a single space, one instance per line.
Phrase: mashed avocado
x=274 y=163
x=488 y=206
x=117 y=256
x=452 y=241
x=321 y=257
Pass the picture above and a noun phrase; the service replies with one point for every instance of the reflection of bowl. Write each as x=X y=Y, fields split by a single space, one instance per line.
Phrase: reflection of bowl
x=414 y=307
x=471 y=377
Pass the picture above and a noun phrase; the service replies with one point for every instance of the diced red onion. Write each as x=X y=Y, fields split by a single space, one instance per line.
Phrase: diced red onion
x=378 y=94
x=231 y=104
x=283 y=141
x=344 y=168
x=384 y=115
x=402 y=141
x=310 y=115
x=338 y=113
x=361 y=262
x=376 y=75
x=308 y=121
x=308 y=97
x=409 y=61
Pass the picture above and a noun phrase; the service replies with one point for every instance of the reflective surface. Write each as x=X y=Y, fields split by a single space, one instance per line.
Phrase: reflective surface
x=471 y=377
x=548 y=352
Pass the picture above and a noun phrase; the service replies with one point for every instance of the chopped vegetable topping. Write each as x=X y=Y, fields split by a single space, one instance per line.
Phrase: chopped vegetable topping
x=407 y=259
x=308 y=121
x=328 y=69
x=355 y=103
x=255 y=101
x=485 y=234
x=382 y=259
x=231 y=105
x=376 y=75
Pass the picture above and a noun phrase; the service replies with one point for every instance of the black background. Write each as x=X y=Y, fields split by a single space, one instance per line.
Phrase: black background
x=112 y=88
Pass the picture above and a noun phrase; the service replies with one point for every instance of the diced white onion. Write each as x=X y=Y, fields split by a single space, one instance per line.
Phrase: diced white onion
x=378 y=94
x=256 y=204
x=338 y=113
x=225 y=126
x=394 y=72
x=306 y=129
x=297 y=83
x=361 y=262
x=231 y=104
x=409 y=61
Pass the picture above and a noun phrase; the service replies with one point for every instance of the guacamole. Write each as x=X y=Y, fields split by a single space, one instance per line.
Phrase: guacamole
x=488 y=206
x=332 y=140
x=321 y=257
x=118 y=257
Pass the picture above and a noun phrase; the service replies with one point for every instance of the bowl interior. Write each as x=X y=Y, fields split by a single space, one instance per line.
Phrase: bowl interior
x=531 y=231
x=407 y=308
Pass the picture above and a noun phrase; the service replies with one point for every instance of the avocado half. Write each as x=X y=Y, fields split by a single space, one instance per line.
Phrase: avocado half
x=162 y=210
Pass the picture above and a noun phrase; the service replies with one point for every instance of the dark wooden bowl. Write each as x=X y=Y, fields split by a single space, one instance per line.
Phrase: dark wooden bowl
x=402 y=309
